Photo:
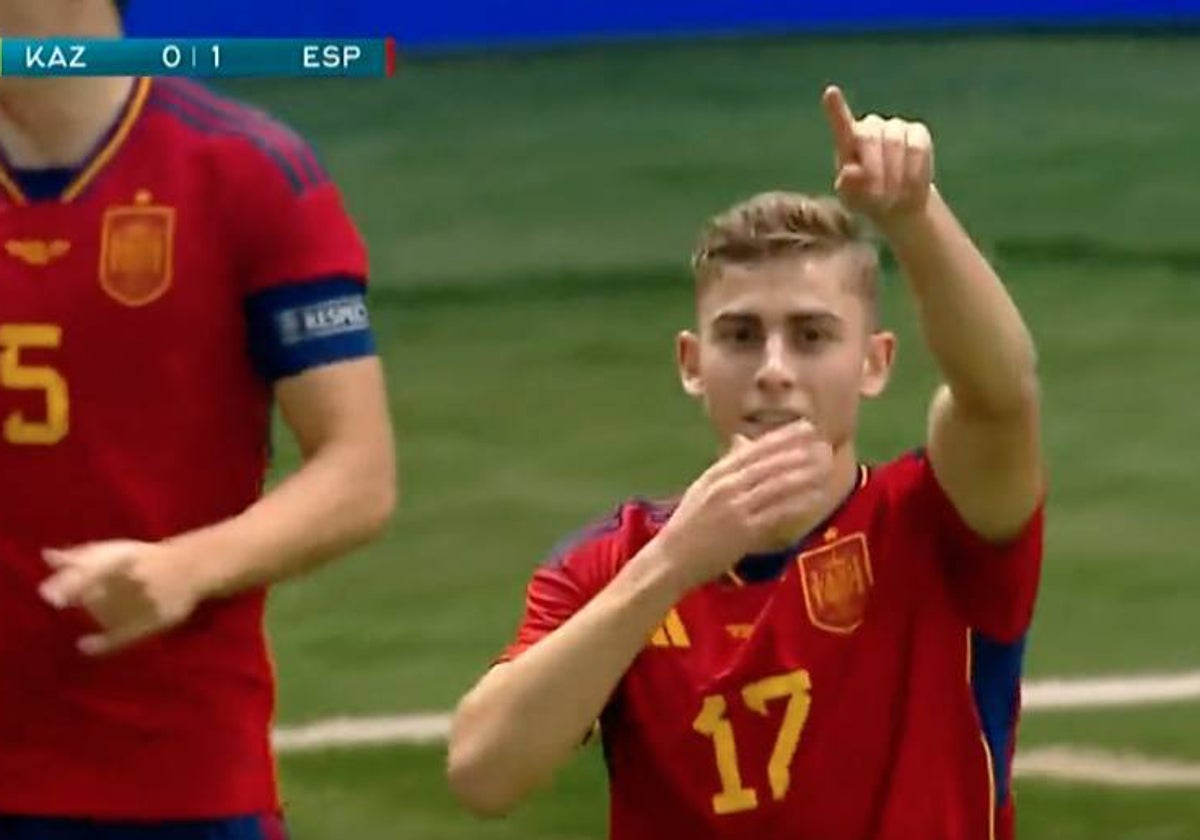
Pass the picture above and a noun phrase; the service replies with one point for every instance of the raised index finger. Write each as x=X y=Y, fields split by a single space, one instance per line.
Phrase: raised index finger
x=841 y=123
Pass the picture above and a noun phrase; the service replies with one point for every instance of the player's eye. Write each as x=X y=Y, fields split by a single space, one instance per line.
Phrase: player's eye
x=813 y=336
x=743 y=334
x=739 y=335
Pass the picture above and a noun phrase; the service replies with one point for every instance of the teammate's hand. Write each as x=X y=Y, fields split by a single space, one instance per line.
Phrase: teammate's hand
x=761 y=492
x=884 y=166
x=132 y=590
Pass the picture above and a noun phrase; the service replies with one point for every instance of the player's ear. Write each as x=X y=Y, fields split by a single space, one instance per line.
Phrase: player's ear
x=877 y=363
x=687 y=359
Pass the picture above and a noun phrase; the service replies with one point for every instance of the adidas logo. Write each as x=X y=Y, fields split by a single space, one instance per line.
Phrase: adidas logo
x=671 y=633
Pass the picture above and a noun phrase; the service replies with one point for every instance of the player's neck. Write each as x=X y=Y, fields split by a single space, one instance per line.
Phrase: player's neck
x=842 y=481
x=57 y=122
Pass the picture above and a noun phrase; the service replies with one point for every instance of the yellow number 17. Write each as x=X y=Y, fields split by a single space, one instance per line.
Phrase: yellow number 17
x=734 y=796
x=17 y=376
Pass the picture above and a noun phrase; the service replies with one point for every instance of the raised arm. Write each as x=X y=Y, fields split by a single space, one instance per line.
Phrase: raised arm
x=984 y=421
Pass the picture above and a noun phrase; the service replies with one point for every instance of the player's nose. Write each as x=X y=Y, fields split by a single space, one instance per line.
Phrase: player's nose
x=775 y=370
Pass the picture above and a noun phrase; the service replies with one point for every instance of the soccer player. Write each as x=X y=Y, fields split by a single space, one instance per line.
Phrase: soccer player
x=802 y=647
x=173 y=264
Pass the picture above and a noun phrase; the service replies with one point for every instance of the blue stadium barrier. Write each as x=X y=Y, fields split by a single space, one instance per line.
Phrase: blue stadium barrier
x=439 y=24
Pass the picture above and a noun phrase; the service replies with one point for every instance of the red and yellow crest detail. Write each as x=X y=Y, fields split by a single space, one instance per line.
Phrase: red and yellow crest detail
x=37 y=252
x=137 y=245
x=837 y=583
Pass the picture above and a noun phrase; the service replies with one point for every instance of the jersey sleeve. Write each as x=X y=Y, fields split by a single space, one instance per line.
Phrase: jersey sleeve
x=994 y=584
x=575 y=571
x=295 y=227
x=303 y=262
x=551 y=598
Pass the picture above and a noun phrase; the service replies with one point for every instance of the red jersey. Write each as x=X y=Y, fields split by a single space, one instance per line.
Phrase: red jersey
x=864 y=686
x=135 y=397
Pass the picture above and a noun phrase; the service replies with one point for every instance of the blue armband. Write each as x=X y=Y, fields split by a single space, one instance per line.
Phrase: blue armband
x=300 y=326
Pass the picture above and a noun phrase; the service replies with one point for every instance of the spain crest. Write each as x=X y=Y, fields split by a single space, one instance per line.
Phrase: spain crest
x=837 y=583
x=137 y=244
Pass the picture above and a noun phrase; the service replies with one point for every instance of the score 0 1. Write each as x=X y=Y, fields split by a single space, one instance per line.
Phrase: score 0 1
x=173 y=56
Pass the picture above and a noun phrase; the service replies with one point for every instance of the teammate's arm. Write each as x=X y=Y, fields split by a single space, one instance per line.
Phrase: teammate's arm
x=526 y=717
x=984 y=421
x=341 y=497
x=304 y=270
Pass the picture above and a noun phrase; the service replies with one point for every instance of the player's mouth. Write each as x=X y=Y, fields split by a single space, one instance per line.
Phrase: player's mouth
x=765 y=419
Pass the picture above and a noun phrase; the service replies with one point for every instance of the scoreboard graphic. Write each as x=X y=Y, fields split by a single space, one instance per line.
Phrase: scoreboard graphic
x=199 y=57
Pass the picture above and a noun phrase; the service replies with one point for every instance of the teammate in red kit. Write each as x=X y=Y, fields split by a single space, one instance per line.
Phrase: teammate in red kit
x=801 y=647
x=173 y=264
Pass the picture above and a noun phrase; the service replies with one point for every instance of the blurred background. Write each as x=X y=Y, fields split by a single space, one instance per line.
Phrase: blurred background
x=530 y=185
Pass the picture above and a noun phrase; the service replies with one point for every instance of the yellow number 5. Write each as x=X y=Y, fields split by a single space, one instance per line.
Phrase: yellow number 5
x=734 y=796
x=21 y=377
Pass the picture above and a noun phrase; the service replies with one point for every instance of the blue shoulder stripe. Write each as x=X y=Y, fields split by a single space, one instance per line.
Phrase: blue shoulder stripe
x=656 y=512
x=274 y=140
x=563 y=548
x=245 y=116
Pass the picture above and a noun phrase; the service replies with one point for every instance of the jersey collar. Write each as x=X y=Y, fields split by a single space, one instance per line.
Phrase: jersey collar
x=100 y=156
x=771 y=565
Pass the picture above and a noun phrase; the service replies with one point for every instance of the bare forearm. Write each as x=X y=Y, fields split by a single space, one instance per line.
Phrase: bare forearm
x=971 y=324
x=527 y=717
x=339 y=499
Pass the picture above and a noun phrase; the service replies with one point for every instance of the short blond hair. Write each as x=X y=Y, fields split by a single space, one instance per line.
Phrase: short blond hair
x=778 y=224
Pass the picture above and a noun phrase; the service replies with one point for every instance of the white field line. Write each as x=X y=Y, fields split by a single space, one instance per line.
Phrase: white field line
x=363 y=731
x=1087 y=765
x=1111 y=692
x=1040 y=696
x=1078 y=765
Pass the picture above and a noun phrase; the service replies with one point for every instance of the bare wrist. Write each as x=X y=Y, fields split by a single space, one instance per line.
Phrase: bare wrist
x=657 y=574
x=206 y=574
x=900 y=229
